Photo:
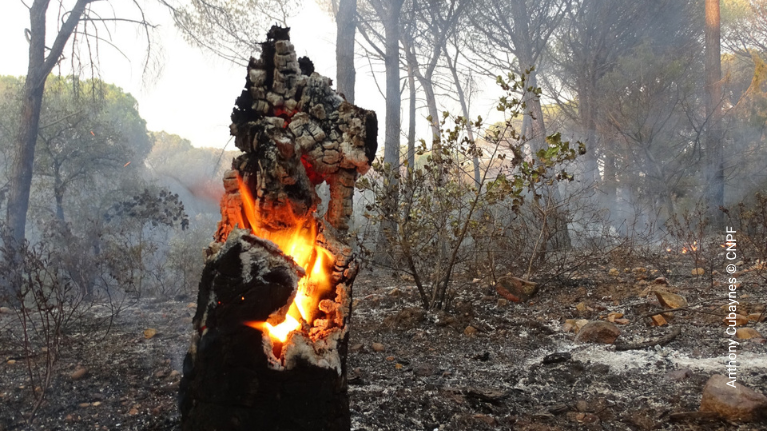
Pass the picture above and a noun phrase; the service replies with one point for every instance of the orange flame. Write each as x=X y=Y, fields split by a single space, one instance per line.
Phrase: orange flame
x=279 y=332
x=300 y=243
x=686 y=248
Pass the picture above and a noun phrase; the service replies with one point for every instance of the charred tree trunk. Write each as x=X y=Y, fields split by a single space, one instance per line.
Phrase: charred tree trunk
x=233 y=376
x=274 y=304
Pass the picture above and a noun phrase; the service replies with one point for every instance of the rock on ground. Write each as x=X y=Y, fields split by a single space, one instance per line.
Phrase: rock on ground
x=736 y=404
x=670 y=300
x=598 y=332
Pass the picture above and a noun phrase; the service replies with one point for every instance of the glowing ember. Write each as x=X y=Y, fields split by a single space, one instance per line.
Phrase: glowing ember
x=686 y=248
x=300 y=243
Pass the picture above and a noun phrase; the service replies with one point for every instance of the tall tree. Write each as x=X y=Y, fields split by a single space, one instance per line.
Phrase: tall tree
x=714 y=135
x=430 y=25
x=521 y=29
x=389 y=11
x=593 y=37
x=90 y=130
x=388 y=14
x=40 y=66
x=452 y=64
x=646 y=98
x=515 y=35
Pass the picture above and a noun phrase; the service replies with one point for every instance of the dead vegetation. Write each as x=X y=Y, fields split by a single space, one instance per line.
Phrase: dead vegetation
x=483 y=364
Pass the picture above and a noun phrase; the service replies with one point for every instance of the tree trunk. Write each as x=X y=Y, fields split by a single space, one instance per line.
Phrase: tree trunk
x=346 y=23
x=287 y=266
x=465 y=113
x=586 y=110
x=237 y=378
x=714 y=145
x=21 y=173
x=37 y=73
x=411 y=116
x=393 y=98
x=58 y=192
x=392 y=126
x=59 y=206
x=559 y=239
x=431 y=105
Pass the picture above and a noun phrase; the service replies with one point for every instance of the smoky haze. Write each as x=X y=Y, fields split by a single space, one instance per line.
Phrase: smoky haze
x=525 y=138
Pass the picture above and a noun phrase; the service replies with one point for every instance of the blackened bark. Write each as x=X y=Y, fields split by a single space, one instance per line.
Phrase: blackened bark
x=346 y=23
x=296 y=132
x=229 y=381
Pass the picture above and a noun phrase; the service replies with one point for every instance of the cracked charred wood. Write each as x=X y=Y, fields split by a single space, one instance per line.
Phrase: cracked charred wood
x=272 y=324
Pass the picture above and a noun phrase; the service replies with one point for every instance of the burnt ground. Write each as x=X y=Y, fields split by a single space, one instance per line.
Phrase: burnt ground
x=430 y=374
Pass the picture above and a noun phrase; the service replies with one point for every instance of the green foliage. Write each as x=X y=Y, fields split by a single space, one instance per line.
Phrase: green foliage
x=92 y=158
x=440 y=206
x=163 y=208
x=89 y=130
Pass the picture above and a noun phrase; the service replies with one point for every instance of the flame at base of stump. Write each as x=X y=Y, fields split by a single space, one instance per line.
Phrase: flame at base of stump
x=232 y=378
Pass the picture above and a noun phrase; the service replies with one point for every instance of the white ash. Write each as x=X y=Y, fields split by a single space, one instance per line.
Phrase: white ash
x=321 y=353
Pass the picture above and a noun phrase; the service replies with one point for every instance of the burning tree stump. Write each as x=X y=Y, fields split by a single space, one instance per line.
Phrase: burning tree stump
x=272 y=323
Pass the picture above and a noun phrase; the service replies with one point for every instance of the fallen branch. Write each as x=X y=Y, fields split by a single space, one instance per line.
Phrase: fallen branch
x=659 y=342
